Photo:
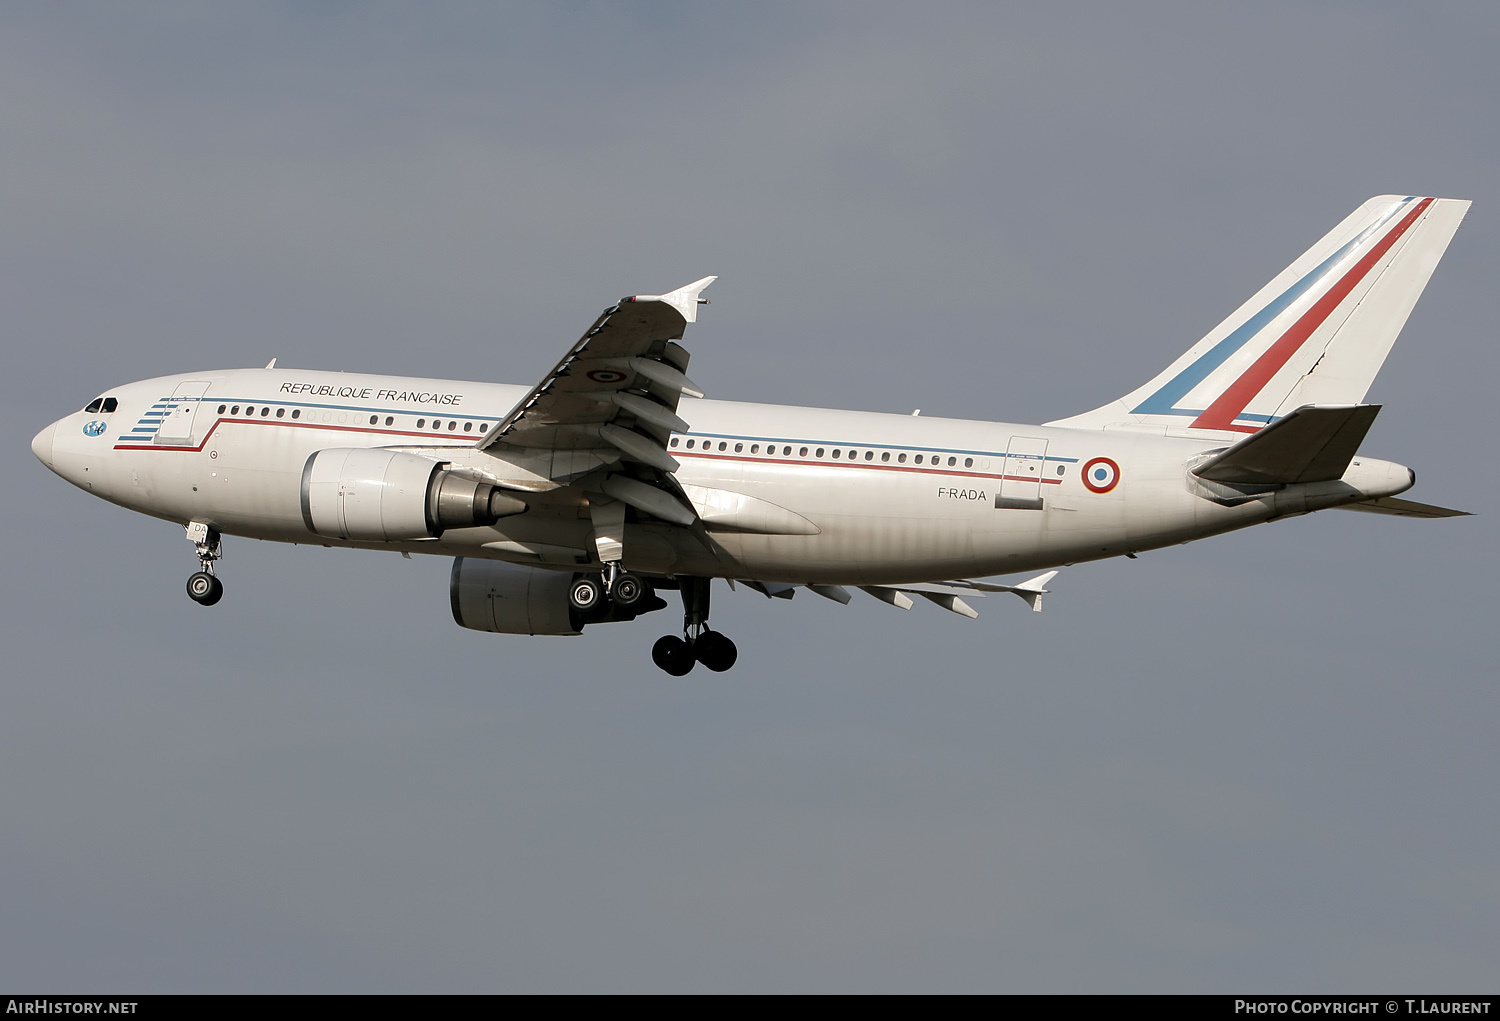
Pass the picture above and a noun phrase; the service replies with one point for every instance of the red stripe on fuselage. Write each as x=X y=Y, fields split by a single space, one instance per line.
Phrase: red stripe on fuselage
x=1222 y=412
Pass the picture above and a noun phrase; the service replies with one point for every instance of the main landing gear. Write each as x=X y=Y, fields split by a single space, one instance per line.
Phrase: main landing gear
x=698 y=644
x=203 y=587
x=589 y=594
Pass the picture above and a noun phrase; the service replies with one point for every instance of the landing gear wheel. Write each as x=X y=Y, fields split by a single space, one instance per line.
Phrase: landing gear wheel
x=585 y=594
x=715 y=651
x=628 y=591
x=673 y=655
x=204 y=589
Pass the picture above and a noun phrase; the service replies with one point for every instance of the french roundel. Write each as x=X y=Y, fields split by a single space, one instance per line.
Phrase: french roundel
x=1101 y=475
x=606 y=376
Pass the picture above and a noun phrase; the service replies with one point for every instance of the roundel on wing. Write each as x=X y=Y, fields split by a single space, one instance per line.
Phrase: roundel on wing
x=606 y=375
x=1101 y=475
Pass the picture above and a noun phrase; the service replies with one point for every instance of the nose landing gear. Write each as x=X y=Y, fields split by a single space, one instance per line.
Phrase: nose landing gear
x=203 y=588
x=698 y=644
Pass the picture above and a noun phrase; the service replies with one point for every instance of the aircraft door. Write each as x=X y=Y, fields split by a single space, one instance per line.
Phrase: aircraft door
x=182 y=408
x=1021 y=478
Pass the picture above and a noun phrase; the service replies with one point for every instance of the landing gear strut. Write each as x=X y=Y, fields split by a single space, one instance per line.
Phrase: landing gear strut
x=203 y=587
x=698 y=644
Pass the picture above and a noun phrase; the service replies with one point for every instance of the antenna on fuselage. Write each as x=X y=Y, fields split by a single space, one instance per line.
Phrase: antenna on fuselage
x=271 y=364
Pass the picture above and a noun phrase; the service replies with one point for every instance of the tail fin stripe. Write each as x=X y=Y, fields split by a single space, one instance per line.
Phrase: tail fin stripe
x=1164 y=400
x=1221 y=414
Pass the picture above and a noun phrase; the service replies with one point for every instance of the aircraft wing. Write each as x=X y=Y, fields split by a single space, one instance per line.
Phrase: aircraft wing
x=613 y=397
x=949 y=595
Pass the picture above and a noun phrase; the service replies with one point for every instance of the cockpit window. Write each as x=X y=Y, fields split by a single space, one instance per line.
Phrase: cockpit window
x=101 y=405
x=93 y=409
x=110 y=404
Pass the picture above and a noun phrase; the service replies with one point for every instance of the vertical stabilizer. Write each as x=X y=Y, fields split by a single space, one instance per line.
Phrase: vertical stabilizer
x=1316 y=334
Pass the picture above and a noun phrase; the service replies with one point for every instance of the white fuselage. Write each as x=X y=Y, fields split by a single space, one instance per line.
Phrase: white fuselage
x=883 y=499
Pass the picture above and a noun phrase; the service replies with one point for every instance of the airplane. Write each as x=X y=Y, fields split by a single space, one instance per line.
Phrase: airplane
x=577 y=501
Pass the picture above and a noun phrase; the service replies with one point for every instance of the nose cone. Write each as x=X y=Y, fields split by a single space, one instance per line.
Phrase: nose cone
x=41 y=445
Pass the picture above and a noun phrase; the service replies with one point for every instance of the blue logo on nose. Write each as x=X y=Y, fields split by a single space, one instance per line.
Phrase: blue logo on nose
x=95 y=428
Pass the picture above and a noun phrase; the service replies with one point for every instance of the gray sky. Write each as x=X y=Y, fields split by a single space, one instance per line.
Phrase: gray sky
x=1264 y=762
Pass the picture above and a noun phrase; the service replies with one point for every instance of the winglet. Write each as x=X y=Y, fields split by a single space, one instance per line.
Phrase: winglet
x=1030 y=590
x=1033 y=589
x=685 y=299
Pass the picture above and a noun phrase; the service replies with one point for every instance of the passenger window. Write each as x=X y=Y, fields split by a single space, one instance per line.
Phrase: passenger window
x=723 y=445
x=738 y=447
x=221 y=409
x=235 y=410
x=900 y=458
x=755 y=448
x=919 y=459
x=280 y=412
x=264 y=412
x=1061 y=469
x=690 y=444
x=674 y=441
x=820 y=451
x=452 y=426
x=968 y=462
x=249 y=412
x=787 y=451
x=374 y=419
x=952 y=461
x=803 y=452
x=296 y=412
x=835 y=452
x=468 y=427
x=870 y=455
x=421 y=423
x=389 y=420
x=97 y=403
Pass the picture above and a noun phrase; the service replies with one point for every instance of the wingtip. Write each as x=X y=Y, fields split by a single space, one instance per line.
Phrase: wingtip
x=685 y=299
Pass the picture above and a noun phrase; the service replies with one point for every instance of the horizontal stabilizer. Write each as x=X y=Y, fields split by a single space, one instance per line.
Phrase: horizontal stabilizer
x=1404 y=508
x=1315 y=443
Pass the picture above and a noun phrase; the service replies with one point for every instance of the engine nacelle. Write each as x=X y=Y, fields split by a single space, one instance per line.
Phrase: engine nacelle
x=512 y=599
x=374 y=494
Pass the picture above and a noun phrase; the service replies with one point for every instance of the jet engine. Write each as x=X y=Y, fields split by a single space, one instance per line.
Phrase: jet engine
x=512 y=599
x=375 y=494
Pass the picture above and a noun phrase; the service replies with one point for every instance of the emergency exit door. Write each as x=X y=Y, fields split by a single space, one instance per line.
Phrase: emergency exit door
x=1021 y=480
x=181 y=412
